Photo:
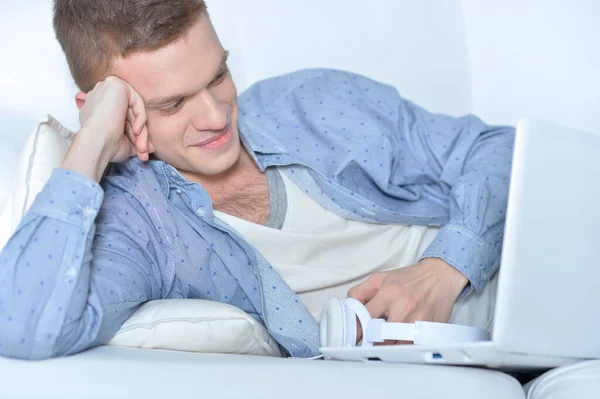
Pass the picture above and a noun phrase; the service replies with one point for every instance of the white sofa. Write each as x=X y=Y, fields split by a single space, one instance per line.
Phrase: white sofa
x=500 y=61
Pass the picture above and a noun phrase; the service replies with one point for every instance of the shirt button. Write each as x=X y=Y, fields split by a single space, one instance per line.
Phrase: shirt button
x=71 y=273
x=178 y=191
x=201 y=211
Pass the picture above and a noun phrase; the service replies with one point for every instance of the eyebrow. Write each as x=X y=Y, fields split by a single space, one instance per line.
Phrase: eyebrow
x=162 y=101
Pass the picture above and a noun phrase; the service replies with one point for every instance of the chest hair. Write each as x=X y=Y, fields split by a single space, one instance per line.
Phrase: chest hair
x=245 y=196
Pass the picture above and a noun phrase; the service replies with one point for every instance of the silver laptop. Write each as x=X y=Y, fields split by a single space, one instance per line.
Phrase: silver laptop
x=547 y=311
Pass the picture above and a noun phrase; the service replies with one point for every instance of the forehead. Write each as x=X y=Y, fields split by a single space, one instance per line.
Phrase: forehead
x=190 y=61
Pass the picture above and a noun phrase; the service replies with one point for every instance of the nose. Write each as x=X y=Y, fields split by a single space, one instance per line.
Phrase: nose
x=210 y=112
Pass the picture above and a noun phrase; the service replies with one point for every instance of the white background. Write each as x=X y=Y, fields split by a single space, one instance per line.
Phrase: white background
x=499 y=60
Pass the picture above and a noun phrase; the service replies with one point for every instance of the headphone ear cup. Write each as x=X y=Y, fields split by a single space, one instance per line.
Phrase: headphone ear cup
x=350 y=325
x=333 y=324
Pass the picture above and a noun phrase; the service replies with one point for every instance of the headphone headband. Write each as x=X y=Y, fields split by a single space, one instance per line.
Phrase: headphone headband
x=378 y=330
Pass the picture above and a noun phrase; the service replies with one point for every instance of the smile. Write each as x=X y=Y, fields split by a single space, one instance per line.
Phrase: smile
x=218 y=141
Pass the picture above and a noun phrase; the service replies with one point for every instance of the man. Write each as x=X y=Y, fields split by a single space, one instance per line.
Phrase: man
x=172 y=182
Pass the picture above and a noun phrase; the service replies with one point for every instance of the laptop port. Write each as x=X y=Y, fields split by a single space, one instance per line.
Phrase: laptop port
x=436 y=356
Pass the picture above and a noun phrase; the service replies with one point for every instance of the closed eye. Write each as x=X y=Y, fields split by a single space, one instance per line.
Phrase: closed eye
x=171 y=109
x=220 y=77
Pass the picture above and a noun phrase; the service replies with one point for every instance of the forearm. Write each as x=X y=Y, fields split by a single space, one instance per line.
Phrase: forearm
x=45 y=266
x=87 y=155
x=471 y=240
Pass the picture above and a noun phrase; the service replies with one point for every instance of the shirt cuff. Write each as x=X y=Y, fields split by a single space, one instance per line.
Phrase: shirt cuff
x=70 y=197
x=466 y=252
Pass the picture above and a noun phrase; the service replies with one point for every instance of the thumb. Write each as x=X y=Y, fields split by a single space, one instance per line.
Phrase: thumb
x=365 y=292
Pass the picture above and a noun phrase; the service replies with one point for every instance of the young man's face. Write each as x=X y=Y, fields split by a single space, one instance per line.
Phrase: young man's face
x=190 y=101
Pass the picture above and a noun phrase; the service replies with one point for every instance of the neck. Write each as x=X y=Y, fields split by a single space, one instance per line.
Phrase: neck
x=223 y=185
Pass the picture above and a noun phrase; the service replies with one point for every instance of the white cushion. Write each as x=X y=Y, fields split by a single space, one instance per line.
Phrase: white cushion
x=579 y=380
x=195 y=325
x=110 y=372
x=179 y=324
x=44 y=150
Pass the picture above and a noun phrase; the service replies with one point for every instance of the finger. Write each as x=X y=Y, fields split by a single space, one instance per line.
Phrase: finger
x=139 y=110
x=363 y=292
x=142 y=142
x=392 y=310
x=399 y=314
x=140 y=121
x=138 y=142
x=131 y=118
x=379 y=305
x=129 y=132
x=388 y=342
x=359 y=330
x=143 y=139
x=130 y=137
x=366 y=290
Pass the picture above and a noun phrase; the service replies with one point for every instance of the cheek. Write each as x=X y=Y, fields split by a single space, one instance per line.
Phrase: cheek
x=167 y=129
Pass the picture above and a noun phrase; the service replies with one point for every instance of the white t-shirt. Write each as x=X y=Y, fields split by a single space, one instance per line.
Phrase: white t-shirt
x=322 y=255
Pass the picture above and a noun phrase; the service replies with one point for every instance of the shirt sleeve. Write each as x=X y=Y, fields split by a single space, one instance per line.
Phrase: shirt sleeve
x=470 y=163
x=61 y=290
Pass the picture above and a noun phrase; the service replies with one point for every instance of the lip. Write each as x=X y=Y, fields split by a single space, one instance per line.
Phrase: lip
x=211 y=140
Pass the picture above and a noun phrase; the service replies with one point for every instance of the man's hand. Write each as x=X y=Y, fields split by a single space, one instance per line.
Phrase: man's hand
x=113 y=128
x=426 y=291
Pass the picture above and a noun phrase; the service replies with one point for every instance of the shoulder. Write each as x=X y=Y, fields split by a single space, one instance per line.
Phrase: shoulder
x=324 y=80
x=312 y=98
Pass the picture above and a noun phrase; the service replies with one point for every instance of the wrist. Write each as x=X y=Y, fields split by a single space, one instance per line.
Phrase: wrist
x=87 y=155
x=448 y=274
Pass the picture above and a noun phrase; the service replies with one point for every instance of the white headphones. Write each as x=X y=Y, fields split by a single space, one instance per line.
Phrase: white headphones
x=338 y=328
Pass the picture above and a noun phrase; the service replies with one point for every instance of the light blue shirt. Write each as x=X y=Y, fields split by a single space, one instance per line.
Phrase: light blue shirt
x=85 y=257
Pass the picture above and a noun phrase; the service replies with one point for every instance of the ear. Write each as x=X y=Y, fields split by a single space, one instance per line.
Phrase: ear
x=80 y=99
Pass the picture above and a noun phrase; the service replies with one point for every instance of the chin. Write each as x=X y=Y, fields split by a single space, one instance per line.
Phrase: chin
x=194 y=161
x=218 y=164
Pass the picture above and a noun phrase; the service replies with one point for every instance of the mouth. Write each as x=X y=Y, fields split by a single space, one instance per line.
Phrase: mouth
x=218 y=140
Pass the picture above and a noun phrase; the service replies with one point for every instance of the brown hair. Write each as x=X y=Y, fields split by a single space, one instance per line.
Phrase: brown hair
x=92 y=33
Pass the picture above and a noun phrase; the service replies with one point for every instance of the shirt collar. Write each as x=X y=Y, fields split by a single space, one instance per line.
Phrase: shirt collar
x=257 y=138
x=167 y=176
